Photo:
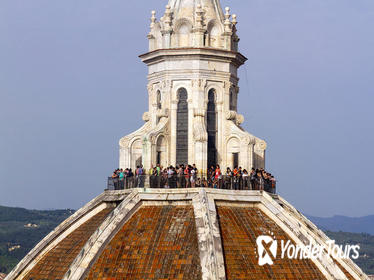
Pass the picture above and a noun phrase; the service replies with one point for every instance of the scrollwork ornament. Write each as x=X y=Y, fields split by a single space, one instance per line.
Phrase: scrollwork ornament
x=239 y=119
x=262 y=144
x=146 y=117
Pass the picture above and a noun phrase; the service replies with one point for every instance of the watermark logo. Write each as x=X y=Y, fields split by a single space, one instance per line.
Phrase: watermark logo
x=267 y=250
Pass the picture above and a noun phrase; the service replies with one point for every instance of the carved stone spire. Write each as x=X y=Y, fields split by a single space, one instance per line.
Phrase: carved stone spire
x=188 y=9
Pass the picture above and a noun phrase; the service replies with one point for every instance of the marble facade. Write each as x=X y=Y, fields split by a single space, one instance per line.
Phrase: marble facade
x=193 y=63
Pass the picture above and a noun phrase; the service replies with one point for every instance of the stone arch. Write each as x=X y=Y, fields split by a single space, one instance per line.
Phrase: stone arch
x=219 y=91
x=136 y=153
x=233 y=151
x=212 y=127
x=213 y=34
x=182 y=126
x=182 y=37
x=162 y=151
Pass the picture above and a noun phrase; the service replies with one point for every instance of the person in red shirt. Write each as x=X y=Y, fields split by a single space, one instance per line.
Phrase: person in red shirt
x=187 y=176
x=217 y=176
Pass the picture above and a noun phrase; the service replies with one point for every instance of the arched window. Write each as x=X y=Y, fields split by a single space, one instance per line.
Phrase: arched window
x=182 y=127
x=159 y=101
x=214 y=35
x=212 y=128
x=182 y=36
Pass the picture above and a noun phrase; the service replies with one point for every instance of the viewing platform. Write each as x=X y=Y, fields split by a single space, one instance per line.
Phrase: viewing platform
x=180 y=182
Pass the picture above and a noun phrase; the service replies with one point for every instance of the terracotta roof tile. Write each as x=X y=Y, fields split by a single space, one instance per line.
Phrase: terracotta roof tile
x=158 y=242
x=240 y=228
x=57 y=261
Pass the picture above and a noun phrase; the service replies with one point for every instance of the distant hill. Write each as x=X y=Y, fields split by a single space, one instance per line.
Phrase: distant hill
x=366 y=242
x=345 y=224
x=21 y=230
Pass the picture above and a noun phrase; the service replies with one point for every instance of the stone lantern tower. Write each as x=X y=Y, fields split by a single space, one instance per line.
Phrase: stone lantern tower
x=193 y=62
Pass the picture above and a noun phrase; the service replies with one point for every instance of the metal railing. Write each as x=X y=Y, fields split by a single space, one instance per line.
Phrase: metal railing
x=180 y=182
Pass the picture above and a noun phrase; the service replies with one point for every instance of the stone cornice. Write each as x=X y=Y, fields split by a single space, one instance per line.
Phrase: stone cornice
x=192 y=53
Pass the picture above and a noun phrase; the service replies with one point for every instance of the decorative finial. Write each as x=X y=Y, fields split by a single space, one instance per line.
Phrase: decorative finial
x=167 y=19
x=227 y=20
x=227 y=15
x=200 y=16
x=153 y=19
x=234 y=20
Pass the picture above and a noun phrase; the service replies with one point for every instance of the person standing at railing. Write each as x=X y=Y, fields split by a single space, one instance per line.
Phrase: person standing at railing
x=273 y=185
x=236 y=178
x=193 y=177
x=252 y=178
x=217 y=177
x=121 y=176
x=210 y=175
x=139 y=176
x=195 y=173
x=151 y=176
x=245 y=179
x=228 y=179
x=171 y=173
x=115 y=179
x=260 y=181
x=186 y=174
x=240 y=178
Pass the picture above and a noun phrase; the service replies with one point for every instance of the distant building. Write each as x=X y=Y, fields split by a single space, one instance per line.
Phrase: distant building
x=13 y=248
x=31 y=226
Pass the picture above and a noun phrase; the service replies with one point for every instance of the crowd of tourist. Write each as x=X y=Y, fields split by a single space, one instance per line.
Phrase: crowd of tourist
x=187 y=176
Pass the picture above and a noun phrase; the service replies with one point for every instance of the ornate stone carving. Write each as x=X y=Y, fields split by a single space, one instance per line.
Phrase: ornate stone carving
x=235 y=117
x=146 y=117
x=199 y=84
x=188 y=26
x=239 y=119
x=230 y=115
x=199 y=20
x=164 y=113
x=166 y=84
x=199 y=131
x=261 y=144
x=124 y=142
x=227 y=86
x=248 y=140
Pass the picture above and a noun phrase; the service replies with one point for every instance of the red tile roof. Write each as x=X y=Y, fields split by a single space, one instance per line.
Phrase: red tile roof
x=158 y=242
x=240 y=228
x=57 y=261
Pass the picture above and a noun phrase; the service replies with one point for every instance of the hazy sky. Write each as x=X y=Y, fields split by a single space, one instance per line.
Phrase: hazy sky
x=71 y=85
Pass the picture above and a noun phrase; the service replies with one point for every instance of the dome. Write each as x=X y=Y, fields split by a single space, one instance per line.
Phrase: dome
x=179 y=234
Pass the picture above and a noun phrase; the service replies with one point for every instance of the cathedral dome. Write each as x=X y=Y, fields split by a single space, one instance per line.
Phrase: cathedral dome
x=179 y=234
